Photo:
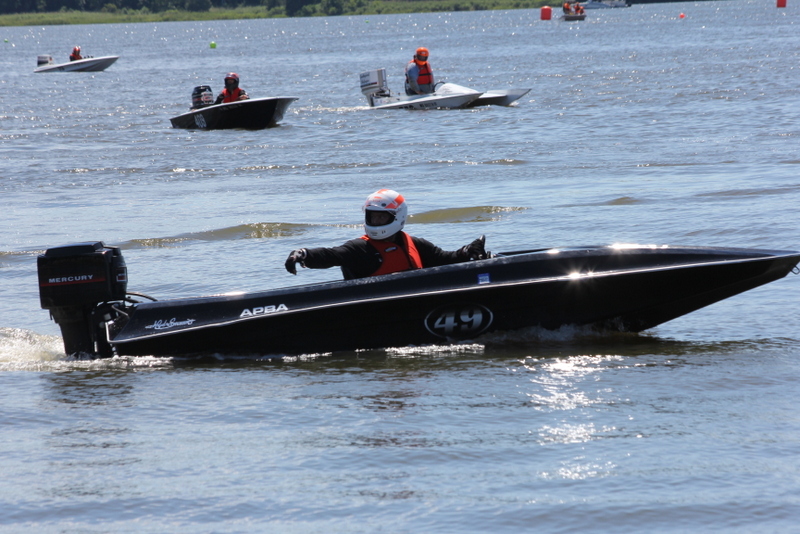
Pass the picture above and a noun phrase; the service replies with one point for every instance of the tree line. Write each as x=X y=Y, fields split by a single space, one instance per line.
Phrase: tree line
x=169 y=9
x=113 y=6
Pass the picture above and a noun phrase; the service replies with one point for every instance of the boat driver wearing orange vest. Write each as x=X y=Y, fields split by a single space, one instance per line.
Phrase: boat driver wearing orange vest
x=419 y=76
x=76 y=54
x=232 y=91
x=385 y=248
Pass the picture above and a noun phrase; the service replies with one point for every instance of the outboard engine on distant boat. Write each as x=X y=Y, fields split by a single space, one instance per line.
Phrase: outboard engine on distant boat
x=44 y=60
x=76 y=283
x=202 y=96
x=373 y=83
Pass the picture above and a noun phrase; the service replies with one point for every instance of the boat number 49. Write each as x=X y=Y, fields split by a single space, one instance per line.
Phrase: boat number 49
x=458 y=321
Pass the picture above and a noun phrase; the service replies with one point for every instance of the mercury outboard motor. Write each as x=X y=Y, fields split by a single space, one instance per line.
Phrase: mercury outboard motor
x=76 y=283
x=202 y=96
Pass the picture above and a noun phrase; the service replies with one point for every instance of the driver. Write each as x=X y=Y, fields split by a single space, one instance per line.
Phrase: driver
x=385 y=248
x=232 y=91
x=419 y=76
x=76 y=54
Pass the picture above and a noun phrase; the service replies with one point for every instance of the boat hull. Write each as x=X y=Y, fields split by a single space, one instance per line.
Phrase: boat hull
x=498 y=97
x=94 y=64
x=447 y=96
x=629 y=289
x=253 y=114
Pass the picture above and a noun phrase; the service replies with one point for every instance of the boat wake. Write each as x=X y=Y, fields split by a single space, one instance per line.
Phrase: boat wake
x=463 y=215
x=277 y=230
x=24 y=350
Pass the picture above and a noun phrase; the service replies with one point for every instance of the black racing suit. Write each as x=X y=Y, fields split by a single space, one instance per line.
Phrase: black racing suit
x=359 y=259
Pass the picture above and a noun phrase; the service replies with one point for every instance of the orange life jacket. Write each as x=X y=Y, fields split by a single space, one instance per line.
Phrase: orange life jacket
x=425 y=75
x=393 y=258
x=233 y=96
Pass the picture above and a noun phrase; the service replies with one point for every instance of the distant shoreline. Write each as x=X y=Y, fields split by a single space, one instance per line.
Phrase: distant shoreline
x=375 y=7
x=370 y=7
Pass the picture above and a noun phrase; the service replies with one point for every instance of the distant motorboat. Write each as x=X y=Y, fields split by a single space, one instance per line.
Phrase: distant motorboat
x=90 y=64
x=445 y=96
x=250 y=114
x=573 y=16
x=604 y=4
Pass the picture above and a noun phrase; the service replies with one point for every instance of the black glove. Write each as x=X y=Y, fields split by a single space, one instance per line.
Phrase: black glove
x=475 y=250
x=295 y=257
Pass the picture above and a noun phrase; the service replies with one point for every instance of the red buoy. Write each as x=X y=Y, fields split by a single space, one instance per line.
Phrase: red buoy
x=781 y=3
x=547 y=12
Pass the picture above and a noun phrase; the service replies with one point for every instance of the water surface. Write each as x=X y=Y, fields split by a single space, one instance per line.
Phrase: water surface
x=640 y=127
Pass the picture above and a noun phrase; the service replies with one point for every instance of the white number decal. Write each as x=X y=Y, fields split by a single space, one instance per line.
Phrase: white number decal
x=458 y=321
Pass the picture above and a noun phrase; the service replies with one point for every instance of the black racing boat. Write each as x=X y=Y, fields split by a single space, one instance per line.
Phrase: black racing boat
x=621 y=288
x=253 y=114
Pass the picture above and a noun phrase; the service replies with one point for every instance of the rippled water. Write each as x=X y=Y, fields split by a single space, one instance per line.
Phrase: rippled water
x=641 y=126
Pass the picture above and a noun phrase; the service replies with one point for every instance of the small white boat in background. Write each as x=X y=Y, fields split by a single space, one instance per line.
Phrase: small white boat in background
x=90 y=64
x=446 y=95
x=604 y=4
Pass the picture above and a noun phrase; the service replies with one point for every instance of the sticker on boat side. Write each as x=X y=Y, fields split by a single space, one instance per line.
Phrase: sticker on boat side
x=172 y=323
x=263 y=310
x=459 y=321
x=200 y=121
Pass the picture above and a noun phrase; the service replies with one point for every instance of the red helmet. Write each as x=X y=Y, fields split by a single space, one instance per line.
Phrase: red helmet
x=422 y=53
x=76 y=49
x=234 y=80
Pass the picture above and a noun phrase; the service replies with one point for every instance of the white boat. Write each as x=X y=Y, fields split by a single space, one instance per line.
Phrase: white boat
x=445 y=96
x=604 y=4
x=89 y=64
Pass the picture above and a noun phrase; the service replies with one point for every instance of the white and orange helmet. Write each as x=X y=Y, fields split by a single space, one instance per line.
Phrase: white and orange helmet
x=386 y=201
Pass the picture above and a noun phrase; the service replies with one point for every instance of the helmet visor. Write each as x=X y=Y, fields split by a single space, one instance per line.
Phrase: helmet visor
x=378 y=218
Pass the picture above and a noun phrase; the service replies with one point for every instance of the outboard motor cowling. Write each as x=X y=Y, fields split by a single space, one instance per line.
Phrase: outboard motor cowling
x=44 y=60
x=373 y=83
x=73 y=281
x=202 y=96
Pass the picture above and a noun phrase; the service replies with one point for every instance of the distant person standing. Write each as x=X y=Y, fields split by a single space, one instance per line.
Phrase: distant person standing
x=232 y=91
x=419 y=76
x=76 y=54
